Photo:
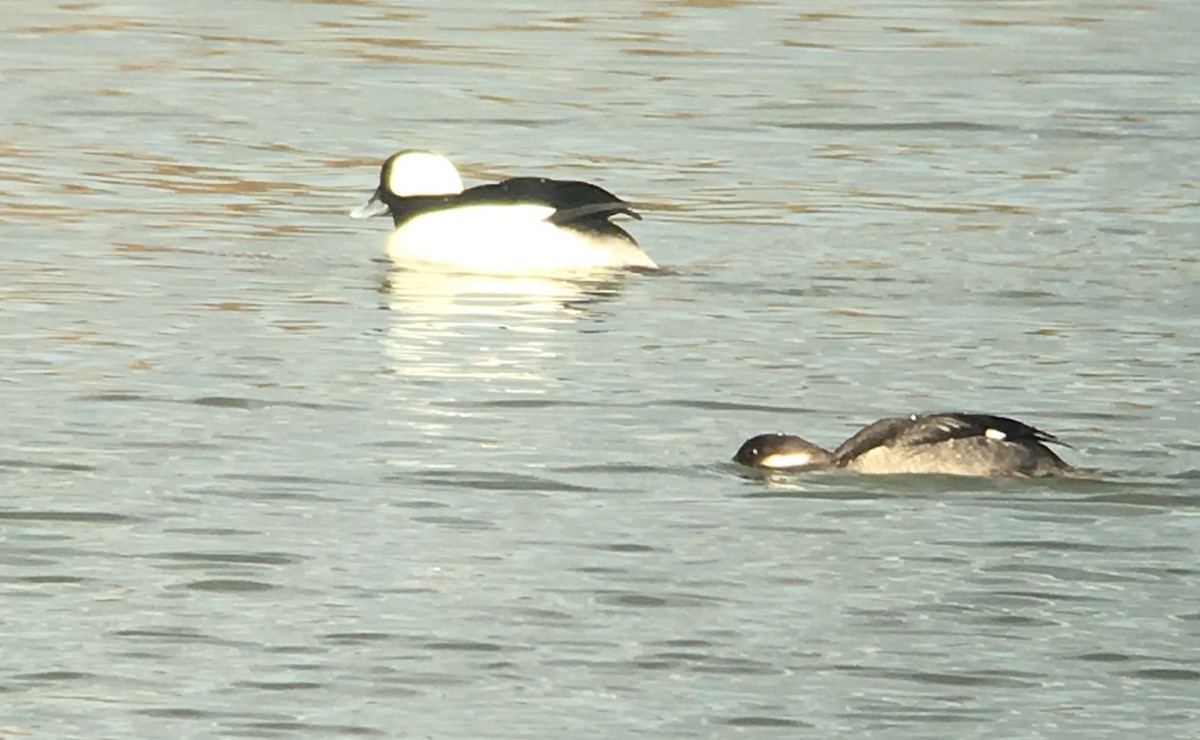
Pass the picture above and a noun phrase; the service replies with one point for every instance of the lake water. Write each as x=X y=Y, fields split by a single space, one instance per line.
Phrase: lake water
x=258 y=483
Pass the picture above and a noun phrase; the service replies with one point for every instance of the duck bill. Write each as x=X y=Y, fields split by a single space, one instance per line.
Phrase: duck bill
x=373 y=207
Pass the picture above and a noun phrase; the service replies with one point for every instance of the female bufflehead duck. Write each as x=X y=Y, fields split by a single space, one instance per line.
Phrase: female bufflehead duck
x=948 y=443
x=523 y=225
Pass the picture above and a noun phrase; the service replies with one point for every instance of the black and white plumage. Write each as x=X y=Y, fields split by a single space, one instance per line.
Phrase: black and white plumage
x=522 y=225
x=948 y=443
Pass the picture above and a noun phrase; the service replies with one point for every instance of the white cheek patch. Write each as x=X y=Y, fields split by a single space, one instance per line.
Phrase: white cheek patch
x=995 y=434
x=423 y=173
x=786 y=460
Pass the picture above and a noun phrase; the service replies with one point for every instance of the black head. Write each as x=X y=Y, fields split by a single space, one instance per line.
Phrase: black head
x=781 y=451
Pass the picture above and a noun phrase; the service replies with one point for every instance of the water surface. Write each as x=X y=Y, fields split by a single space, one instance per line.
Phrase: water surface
x=259 y=483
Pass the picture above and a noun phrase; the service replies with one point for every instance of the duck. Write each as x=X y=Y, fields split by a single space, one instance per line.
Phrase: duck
x=522 y=225
x=950 y=443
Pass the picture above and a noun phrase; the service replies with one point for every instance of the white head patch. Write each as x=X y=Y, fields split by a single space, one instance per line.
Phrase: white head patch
x=786 y=460
x=995 y=434
x=423 y=173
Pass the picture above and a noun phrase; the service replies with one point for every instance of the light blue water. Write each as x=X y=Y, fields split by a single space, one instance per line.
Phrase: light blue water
x=258 y=483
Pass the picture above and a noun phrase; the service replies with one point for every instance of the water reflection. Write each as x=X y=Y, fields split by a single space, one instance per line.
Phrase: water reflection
x=487 y=327
x=466 y=294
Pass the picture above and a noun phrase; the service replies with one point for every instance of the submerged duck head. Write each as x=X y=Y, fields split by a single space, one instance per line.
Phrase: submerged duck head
x=782 y=451
x=409 y=173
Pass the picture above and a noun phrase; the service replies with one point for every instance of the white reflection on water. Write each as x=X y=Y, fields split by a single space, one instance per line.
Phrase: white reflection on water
x=488 y=328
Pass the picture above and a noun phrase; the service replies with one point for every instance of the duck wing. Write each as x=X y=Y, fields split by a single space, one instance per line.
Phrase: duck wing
x=573 y=201
x=987 y=425
x=926 y=429
x=940 y=427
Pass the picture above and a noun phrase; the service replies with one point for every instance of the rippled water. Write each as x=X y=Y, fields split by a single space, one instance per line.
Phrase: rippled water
x=258 y=483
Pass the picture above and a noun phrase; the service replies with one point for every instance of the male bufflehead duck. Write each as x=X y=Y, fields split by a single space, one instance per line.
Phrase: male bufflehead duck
x=523 y=225
x=947 y=443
